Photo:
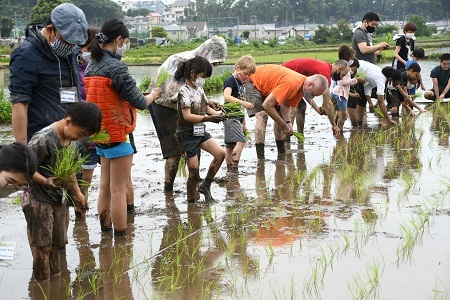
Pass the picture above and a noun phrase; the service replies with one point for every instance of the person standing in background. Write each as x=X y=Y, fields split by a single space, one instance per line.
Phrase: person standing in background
x=44 y=79
x=362 y=41
x=404 y=46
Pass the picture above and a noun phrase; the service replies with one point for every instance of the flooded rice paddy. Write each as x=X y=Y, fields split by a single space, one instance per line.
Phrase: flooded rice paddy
x=366 y=216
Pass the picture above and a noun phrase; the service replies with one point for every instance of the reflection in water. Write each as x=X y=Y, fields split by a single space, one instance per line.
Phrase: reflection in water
x=440 y=124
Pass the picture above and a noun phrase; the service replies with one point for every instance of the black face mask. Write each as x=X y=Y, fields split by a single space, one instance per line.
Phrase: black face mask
x=336 y=76
x=370 y=29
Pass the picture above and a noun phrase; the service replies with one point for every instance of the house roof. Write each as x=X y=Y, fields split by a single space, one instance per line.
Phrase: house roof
x=201 y=26
x=181 y=3
x=174 y=27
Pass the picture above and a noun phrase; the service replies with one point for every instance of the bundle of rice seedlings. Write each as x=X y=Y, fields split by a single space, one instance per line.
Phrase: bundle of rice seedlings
x=100 y=138
x=163 y=75
x=416 y=95
x=68 y=163
x=300 y=137
x=182 y=167
x=378 y=111
x=233 y=109
x=361 y=74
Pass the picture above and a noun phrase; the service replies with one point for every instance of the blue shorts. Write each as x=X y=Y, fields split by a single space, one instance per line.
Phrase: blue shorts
x=120 y=150
x=92 y=158
x=341 y=101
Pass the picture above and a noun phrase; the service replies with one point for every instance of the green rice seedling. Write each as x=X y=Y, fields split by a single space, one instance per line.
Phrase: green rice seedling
x=378 y=111
x=17 y=200
x=300 y=137
x=248 y=135
x=417 y=95
x=44 y=295
x=182 y=167
x=100 y=138
x=145 y=83
x=95 y=280
x=163 y=75
x=68 y=162
x=233 y=109
x=361 y=74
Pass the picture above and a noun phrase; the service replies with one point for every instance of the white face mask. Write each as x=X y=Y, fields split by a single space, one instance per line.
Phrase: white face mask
x=350 y=62
x=390 y=87
x=200 y=81
x=409 y=35
x=410 y=85
x=86 y=57
x=121 y=51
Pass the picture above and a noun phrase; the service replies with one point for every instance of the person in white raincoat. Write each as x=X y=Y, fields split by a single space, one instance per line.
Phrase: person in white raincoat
x=164 y=110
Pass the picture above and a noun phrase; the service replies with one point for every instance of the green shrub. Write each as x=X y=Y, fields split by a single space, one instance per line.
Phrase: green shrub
x=5 y=108
x=215 y=82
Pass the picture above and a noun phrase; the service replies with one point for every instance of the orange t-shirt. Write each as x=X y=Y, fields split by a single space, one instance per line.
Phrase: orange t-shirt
x=285 y=84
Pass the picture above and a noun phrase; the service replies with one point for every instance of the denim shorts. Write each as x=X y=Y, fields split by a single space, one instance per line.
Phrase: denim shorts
x=341 y=101
x=120 y=150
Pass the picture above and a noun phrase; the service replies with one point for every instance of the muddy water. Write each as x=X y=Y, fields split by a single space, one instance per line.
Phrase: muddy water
x=365 y=216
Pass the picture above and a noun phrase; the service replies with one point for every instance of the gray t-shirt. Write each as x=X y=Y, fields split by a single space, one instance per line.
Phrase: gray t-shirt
x=194 y=98
x=44 y=143
x=360 y=36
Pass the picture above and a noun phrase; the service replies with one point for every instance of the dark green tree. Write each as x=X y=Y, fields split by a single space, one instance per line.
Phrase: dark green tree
x=245 y=34
x=158 y=32
x=99 y=10
x=6 y=25
x=42 y=10
x=321 y=35
x=422 y=28
x=137 y=12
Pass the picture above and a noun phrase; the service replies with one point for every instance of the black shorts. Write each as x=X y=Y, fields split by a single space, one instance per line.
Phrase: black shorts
x=165 y=120
x=446 y=95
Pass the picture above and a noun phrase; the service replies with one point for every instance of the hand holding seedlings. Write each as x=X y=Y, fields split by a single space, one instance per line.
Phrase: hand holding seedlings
x=50 y=182
x=214 y=105
x=215 y=118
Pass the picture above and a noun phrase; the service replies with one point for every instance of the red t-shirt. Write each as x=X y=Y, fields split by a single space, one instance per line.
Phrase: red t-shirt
x=285 y=85
x=310 y=66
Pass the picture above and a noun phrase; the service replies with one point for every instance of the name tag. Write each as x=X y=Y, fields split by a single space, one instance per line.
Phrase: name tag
x=199 y=129
x=7 y=250
x=68 y=95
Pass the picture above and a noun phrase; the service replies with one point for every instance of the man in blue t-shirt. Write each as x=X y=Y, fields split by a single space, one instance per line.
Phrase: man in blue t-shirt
x=440 y=76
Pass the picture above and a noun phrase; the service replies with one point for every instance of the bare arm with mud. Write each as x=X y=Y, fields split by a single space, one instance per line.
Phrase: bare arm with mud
x=269 y=106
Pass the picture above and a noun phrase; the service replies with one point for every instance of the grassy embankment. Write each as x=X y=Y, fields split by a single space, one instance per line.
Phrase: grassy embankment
x=151 y=54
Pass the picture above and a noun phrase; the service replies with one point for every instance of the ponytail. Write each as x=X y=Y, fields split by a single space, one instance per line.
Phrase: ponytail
x=111 y=29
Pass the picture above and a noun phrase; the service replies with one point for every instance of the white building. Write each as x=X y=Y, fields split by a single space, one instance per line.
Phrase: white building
x=175 y=11
x=176 y=32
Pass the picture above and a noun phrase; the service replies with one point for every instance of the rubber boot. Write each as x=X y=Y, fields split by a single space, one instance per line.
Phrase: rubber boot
x=260 y=151
x=205 y=189
x=281 y=147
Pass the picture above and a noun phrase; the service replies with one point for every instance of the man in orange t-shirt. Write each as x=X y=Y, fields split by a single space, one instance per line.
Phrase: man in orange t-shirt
x=281 y=88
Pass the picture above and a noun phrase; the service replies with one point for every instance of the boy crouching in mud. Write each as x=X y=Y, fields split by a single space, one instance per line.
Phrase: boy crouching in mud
x=44 y=202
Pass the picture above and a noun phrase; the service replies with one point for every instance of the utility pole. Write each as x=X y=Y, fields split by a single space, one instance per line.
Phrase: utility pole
x=275 y=18
x=254 y=20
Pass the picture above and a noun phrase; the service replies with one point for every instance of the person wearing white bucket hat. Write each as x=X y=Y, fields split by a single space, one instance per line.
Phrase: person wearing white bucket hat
x=44 y=77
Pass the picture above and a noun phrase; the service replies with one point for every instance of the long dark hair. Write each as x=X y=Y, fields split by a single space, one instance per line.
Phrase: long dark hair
x=18 y=158
x=111 y=29
x=197 y=64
